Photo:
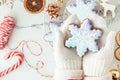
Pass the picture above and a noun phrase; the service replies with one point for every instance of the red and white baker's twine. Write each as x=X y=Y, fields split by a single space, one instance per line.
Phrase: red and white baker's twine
x=6 y=28
x=39 y=64
x=16 y=65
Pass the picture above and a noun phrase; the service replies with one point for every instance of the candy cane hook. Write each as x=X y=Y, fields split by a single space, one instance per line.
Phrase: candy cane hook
x=16 y=65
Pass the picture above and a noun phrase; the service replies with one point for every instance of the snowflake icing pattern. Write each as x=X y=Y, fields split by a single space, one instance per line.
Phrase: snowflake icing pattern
x=84 y=38
x=81 y=9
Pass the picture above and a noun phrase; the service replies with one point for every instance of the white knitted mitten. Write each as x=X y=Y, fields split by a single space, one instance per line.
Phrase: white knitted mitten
x=68 y=63
x=96 y=65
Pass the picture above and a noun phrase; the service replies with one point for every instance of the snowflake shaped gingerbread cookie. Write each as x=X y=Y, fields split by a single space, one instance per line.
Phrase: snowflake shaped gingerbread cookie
x=81 y=9
x=84 y=38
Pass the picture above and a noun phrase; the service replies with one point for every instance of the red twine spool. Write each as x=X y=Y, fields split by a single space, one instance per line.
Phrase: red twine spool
x=6 y=28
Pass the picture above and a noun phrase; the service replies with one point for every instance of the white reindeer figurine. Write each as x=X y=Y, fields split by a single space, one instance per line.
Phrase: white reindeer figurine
x=108 y=7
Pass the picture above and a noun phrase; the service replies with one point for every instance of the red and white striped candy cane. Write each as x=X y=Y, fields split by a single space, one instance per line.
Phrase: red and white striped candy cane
x=6 y=28
x=16 y=65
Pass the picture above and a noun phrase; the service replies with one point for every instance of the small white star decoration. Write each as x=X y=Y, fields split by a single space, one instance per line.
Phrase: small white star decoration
x=84 y=38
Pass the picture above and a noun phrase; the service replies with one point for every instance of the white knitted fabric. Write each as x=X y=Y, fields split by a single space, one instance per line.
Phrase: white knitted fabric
x=96 y=65
x=106 y=77
x=68 y=63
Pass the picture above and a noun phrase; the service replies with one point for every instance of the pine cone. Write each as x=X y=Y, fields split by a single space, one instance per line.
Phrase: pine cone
x=53 y=10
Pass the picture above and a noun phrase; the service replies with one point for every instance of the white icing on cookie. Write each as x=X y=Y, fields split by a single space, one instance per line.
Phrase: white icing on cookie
x=84 y=38
x=81 y=9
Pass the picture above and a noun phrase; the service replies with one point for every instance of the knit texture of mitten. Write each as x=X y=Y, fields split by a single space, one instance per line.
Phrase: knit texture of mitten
x=96 y=65
x=68 y=63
